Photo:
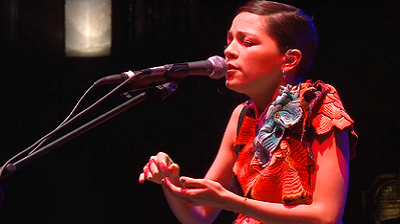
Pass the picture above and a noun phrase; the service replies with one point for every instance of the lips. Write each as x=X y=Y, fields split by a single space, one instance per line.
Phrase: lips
x=231 y=70
x=232 y=67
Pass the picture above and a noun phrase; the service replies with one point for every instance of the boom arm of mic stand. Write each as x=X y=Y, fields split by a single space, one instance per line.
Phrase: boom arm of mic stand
x=163 y=90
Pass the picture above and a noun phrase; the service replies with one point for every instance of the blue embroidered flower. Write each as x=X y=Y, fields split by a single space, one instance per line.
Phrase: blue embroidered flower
x=283 y=113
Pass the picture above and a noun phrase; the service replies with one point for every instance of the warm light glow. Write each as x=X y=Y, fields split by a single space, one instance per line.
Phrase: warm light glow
x=87 y=28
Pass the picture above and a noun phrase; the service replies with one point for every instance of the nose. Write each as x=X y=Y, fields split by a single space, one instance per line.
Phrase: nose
x=230 y=51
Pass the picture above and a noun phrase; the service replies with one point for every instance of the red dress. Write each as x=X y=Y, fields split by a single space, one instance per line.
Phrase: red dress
x=275 y=161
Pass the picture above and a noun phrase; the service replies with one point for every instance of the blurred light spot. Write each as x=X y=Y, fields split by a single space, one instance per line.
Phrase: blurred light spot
x=87 y=28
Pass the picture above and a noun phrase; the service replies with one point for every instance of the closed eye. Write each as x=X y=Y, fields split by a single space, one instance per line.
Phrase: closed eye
x=248 y=44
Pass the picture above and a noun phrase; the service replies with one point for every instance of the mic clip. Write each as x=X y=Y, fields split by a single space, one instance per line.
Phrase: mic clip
x=161 y=91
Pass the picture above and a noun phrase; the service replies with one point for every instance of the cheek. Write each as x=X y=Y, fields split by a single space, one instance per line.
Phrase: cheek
x=258 y=67
x=262 y=66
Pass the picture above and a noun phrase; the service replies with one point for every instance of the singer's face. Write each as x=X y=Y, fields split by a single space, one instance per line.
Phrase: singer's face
x=253 y=58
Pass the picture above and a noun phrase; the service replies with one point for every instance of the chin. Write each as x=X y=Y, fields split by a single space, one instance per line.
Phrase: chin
x=234 y=86
x=230 y=85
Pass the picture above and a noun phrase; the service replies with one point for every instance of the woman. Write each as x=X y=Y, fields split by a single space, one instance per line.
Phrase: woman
x=287 y=149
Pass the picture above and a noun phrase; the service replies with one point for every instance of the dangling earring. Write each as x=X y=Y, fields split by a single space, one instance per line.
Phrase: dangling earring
x=283 y=73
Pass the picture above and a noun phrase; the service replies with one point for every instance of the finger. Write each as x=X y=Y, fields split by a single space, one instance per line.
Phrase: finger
x=147 y=173
x=186 y=194
x=174 y=170
x=171 y=187
x=192 y=183
x=163 y=161
x=141 y=178
x=153 y=168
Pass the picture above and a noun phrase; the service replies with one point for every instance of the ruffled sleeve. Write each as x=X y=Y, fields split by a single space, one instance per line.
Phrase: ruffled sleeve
x=325 y=110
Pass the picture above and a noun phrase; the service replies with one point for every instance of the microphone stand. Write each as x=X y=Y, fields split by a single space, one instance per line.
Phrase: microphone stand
x=161 y=91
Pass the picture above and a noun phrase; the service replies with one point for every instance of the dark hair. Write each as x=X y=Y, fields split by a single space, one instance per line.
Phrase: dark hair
x=290 y=27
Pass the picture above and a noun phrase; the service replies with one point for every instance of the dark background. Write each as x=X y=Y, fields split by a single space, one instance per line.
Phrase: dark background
x=93 y=178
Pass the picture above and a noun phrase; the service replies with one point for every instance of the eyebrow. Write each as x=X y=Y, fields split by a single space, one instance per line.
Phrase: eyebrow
x=243 y=33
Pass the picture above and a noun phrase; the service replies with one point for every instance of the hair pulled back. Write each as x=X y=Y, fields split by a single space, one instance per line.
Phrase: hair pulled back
x=290 y=27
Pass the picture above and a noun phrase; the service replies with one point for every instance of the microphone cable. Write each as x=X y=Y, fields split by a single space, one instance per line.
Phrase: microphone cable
x=71 y=117
x=43 y=140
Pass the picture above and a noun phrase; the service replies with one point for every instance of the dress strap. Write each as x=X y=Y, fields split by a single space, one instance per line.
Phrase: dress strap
x=243 y=113
x=246 y=111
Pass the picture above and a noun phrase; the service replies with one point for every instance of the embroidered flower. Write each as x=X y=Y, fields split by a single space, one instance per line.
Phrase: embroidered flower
x=282 y=114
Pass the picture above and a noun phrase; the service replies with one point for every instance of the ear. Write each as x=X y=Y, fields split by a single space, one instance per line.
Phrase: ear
x=291 y=59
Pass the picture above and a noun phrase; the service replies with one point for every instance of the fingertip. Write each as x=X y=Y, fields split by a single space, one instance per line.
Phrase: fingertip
x=185 y=179
x=171 y=168
x=141 y=178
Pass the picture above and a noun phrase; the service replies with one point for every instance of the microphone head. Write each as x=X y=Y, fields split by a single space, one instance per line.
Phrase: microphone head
x=219 y=65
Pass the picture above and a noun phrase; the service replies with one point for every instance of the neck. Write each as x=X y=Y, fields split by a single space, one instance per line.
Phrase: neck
x=265 y=96
x=262 y=100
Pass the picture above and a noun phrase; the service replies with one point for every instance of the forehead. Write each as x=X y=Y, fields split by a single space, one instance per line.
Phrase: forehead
x=249 y=22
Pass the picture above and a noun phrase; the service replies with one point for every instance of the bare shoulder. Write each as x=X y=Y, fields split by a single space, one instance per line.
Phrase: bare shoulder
x=231 y=129
x=237 y=110
x=336 y=140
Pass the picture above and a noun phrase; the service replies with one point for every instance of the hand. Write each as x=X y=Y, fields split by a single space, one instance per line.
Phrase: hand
x=159 y=167
x=197 y=192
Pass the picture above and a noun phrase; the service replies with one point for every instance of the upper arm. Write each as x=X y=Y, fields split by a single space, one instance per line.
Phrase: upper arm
x=331 y=175
x=221 y=169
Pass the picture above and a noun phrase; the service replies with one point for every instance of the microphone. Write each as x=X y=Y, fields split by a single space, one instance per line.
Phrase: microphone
x=214 y=67
x=114 y=79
